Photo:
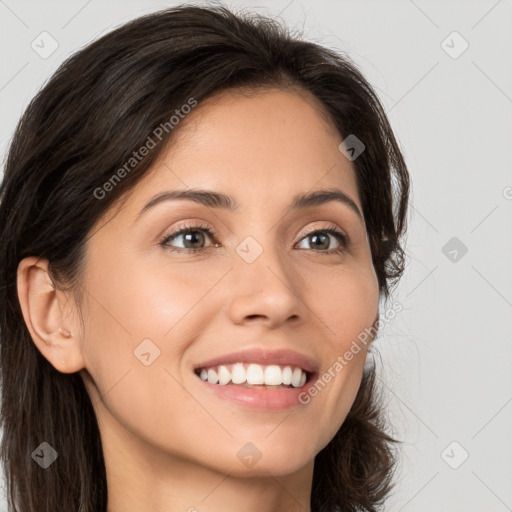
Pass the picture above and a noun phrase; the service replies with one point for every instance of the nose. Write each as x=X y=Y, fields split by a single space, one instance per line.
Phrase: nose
x=265 y=291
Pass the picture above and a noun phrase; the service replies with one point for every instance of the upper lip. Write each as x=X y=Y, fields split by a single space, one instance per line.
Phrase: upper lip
x=265 y=357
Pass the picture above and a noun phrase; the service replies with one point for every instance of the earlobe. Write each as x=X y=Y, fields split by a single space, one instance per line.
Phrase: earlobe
x=44 y=310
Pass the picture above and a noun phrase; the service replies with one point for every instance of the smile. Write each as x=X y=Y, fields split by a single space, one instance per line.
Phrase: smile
x=253 y=374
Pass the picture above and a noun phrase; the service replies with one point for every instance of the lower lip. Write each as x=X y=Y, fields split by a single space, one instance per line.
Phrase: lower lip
x=259 y=398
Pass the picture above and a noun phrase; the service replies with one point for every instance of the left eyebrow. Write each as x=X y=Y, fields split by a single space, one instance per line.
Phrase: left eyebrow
x=214 y=199
x=319 y=197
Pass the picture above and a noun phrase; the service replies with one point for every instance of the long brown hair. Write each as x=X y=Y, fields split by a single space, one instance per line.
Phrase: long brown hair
x=101 y=105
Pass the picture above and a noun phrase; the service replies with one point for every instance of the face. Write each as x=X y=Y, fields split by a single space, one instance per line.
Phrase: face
x=266 y=283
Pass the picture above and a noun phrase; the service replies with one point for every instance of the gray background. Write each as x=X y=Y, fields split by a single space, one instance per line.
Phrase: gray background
x=447 y=354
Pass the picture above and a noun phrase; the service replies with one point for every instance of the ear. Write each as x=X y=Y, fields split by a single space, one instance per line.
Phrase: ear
x=48 y=317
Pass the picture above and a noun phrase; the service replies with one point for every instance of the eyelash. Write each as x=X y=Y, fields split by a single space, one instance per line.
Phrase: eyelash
x=341 y=237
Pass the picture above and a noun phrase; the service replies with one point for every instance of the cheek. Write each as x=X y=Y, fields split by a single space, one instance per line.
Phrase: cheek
x=141 y=314
x=129 y=303
x=137 y=330
x=347 y=302
x=347 y=305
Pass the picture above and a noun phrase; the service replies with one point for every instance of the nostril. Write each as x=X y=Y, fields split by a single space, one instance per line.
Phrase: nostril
x=252 y=317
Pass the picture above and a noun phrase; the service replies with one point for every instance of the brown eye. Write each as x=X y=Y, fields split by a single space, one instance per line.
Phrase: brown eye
x=320 y=240
x=193 y=239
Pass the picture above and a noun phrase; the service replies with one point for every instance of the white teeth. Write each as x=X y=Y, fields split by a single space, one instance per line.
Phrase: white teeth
x=273 y=376
x=296 y=377
x=287 y=375
x=238 y=374
x=224 y=375
x=254 y=374
x=212 y=376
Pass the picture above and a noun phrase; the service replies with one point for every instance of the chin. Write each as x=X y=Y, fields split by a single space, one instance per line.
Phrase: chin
x=277 y=457
x=274 y=466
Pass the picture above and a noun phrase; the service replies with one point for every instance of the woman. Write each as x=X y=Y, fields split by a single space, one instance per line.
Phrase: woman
x=199 y=215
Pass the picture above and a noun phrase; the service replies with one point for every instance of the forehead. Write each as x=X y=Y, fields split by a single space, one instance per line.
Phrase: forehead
x=264 y=121
x=267 y=145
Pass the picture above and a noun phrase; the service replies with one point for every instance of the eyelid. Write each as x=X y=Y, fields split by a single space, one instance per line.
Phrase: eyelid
x=183 y=228
x=331 y=226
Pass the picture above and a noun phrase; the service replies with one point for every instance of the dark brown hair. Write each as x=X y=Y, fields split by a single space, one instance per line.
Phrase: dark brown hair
x=95 y=111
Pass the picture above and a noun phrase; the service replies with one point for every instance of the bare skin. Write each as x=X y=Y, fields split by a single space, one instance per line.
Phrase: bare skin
x=169 y=444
